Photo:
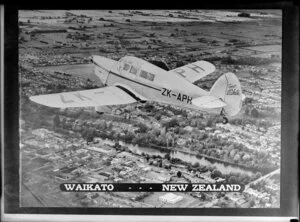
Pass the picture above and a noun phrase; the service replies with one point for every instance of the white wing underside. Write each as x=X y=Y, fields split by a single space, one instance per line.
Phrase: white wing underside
x=195 y=71
x=87 y=98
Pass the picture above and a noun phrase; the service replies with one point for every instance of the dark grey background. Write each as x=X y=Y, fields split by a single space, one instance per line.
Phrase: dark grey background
x=290 y=128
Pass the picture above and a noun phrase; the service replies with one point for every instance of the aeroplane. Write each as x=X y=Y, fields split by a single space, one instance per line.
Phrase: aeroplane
x=134 y=80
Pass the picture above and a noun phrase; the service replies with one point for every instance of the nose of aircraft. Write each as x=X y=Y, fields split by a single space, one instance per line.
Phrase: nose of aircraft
x=104 y=63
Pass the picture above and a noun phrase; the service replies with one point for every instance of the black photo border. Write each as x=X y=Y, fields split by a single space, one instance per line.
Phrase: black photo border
x=289 y=117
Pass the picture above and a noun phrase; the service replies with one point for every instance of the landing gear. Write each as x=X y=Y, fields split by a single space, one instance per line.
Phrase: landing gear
x=225 y=120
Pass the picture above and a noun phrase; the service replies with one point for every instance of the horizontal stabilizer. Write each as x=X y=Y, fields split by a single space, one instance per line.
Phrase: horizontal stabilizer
x=208 y=102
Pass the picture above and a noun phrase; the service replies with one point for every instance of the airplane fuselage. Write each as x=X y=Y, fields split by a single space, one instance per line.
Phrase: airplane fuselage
x=168 y=88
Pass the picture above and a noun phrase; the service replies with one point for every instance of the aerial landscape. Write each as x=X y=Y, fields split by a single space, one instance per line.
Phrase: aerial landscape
x=149 y=142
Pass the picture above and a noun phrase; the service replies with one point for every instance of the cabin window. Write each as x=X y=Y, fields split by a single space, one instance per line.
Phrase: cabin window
x=143 y=74
x=150 y=76
x=147 y=75
x=133 y=70
x=126 y=67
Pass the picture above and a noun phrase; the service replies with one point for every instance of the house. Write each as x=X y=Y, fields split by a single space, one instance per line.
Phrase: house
x=188 y=128
x=122 y=173
x=147 y=169
x=91 y=180
x=170 y=198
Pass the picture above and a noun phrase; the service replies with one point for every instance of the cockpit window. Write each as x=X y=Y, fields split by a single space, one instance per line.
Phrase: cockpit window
x=126 y=67
x=133 y=70
x=147 y=75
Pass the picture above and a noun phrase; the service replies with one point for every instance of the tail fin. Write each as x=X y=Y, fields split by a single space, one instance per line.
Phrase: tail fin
x=228 y=88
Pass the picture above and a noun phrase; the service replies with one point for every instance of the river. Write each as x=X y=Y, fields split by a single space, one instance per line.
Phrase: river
x=186 y=157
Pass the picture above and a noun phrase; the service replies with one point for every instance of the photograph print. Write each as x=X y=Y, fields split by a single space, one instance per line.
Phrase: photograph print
x=112 y=97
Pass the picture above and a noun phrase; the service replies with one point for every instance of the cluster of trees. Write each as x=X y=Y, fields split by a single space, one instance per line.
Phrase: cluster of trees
x=177 y=111
x=212 y=146
x=251 y=111
x=142 y=128
x=216 y=173
x=241 y=178
x=231 y=177
x=157 y=160
x=252 y=61
x=270 y=113
x=142 y=196
x=236 y=153
x=150 y=138
x=171 y=123
x=168 y=111
x=261 y=186
x=89 y=129
x=252 y=121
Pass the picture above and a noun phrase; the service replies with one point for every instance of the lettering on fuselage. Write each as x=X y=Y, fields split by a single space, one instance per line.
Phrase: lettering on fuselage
x=233 y=90
x=180 y=96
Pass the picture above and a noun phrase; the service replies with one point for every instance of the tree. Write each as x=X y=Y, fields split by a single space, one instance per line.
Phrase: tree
x=149 y=107
x=246 y=157
x=247 y=110
x=211 y=121
x=252 y=203
x=167 y=156
x=232 y=154
x=189 y=167
x=179 y=174
x=177 y=130
x=254 y=113
x=195 y=165
x=258 y=175
x=128 y=137
x=142 y=128
x=172 y=123
x=157 y=116
x=56 y=121
x=89 y=135
x=203 y=197
x=262 y=154
x=236 y=158
x=232 y=179
x=63 y=122
x=216 y=173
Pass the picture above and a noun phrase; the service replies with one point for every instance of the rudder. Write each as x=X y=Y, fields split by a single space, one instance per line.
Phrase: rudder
x=228 y=89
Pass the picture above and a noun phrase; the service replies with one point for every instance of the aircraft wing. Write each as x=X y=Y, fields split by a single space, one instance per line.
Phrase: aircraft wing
x=195 y=71
x=208 y=102
x=105 y=96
